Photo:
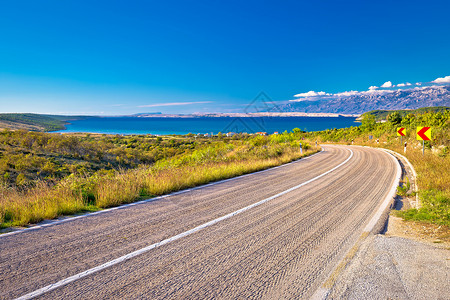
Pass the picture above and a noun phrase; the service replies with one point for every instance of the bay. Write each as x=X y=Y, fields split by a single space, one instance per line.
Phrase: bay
x=185 y=125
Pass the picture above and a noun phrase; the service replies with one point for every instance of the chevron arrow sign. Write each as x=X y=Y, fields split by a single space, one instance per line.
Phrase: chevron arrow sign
x=401 y=131
x=423 y=133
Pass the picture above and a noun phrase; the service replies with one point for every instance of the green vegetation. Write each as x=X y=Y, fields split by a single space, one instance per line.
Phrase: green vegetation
x=383 y=114
x=34 y=122
x=432 y=168
x=403 y=189
x=45 y=175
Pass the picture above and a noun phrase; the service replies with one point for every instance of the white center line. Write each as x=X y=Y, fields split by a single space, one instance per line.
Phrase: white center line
x=171 y=239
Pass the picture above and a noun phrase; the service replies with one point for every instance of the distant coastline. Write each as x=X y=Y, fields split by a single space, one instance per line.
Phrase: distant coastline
x=243 y=115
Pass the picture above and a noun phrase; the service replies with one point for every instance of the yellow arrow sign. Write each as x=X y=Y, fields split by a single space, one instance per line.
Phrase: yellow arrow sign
x=423 y=133
x=401 y=131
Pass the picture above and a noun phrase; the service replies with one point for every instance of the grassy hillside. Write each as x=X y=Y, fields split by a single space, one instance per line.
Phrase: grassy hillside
x=34 y=122
x=44 y=175
x=383 y=114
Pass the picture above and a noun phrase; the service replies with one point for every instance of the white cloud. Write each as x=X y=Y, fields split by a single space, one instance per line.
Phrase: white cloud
x=174 y=104
x=372 y=88
x=379 y=92
x=312 y=94
x=403 y=84
x=386 y=84
x=349 y=93
x=372 y=91
x=418 y=83
x=445 y=79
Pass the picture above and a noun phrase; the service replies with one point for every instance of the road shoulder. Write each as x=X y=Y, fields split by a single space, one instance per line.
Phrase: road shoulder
x=409 y=260
x=391 y=267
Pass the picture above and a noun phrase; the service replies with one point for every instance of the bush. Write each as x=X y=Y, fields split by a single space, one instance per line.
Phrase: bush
x=435 y=208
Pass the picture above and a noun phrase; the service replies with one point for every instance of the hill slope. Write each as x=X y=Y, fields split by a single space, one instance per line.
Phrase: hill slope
x=383 y=114
x=34 y=122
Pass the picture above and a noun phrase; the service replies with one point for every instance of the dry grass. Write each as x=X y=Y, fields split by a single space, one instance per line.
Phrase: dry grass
x=18 y=208
x=433 y=180
x=145 y=182
x=39 y=203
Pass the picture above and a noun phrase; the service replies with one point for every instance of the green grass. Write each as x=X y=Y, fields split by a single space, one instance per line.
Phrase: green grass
x=175 y=164
x=403 y=189
x=434 y=208
x=45 y=202
x=434 y=188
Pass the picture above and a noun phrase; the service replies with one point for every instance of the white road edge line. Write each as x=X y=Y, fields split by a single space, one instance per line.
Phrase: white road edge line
x=389 y=197
x=323 y=292
x=171 y=239
x=415 y=187
x=56 y=222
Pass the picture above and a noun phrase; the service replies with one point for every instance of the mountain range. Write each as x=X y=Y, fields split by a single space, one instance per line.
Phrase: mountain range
x=359 y=102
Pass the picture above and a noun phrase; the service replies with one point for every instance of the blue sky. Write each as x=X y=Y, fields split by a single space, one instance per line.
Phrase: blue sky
x=124 y=57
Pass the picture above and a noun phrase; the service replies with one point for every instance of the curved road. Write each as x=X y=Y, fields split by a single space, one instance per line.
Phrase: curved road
x=281 y=247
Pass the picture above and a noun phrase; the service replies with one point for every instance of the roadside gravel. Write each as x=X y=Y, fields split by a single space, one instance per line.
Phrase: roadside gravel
x=390 y=267
x=409 y=261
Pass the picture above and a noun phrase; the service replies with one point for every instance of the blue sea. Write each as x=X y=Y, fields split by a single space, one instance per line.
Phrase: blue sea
x=185 y=125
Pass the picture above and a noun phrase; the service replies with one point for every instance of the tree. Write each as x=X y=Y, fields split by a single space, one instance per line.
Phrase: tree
x=368 y=122
x=408 y=120
x=394 y=118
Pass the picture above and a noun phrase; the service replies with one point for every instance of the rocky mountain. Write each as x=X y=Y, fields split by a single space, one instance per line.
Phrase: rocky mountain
x=360 y=102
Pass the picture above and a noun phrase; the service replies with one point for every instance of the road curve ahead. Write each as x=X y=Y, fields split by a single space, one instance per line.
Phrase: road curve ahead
x=273 y=234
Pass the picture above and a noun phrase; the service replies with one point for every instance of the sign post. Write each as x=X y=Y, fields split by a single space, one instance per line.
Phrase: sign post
x=423 y=134
x=301 y=150
x=401 y=133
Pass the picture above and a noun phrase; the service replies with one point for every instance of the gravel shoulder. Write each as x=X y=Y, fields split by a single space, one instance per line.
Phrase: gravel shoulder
x=391 y=267
x=409 y=261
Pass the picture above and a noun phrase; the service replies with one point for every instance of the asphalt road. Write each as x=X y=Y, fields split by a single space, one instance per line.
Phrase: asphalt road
x=282 y=248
